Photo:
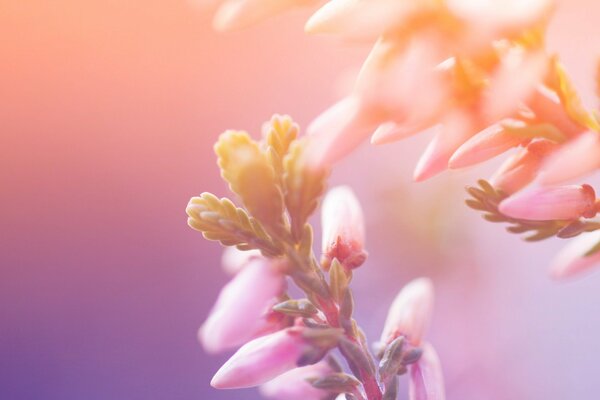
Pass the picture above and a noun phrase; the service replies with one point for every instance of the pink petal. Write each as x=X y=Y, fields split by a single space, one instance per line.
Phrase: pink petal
x=410 y=312
x=551 y=203
x=293 y=384
x=233 y=260
x=426 y=377
x=391 y=131
x=571 y=260
x=574 y=159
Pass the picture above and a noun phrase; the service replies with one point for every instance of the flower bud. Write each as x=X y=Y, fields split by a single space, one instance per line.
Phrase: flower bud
x=426 y=378
x=263 y=359
x=410 y=312
x=551 y=203
x=233 y=260
x=243 y=309
x=343 y=229
x=573 y=260
x=573 y=160
x=294 y=384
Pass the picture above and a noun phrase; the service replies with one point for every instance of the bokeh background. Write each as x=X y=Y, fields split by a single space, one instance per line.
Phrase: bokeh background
x=108 y=112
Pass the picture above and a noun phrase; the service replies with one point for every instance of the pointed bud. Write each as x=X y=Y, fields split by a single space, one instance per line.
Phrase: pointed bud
x=343 y=228
x=242 y=309
x=265 y=358
x=426 y=377
x=551 y=203
x=547 y=108
x=522 y=168
x=410 y=312
x=485 y=145
x=233 y=260
x=574 y=259
x=390 y=132
x=294 y=384
x=574 y=159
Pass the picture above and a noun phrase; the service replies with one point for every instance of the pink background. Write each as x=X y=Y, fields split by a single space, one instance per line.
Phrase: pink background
x=108 y=113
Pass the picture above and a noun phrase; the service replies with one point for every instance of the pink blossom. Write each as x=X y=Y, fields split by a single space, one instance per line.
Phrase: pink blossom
x=262 y=359
x=426 y=377
x=293 y=385
x=488 y=143
x=233 y=260
x=546 y=107
x=343 y=228
x=551 y=203
x=410 y=312
x=522 y=168
x=573 y=160
x=572 y=260
x=242 y=310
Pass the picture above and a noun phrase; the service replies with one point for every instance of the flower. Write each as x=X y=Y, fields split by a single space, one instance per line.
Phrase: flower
x=343 y=229
x=410 y=312
x=243 y=308
x=572 y=259
x=551 y=203
x=294 y=385
x=233 y=260
x=426 y=378
x=263 y=359
x=573 y=160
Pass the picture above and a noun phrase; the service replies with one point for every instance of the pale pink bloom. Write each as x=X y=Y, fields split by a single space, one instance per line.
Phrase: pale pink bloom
x=456 y=129
x=551 y=203
x=574 y=159
x=294 y=385
x=410 y=312
x=547 y=109
x=426 y=377
x=488 y=143
x=343 y=227
x=572 y=261
x=262 y=359
x=522 y=168
x=391 y=132
x=242 y=310
x=233 y=260
x=239 y=14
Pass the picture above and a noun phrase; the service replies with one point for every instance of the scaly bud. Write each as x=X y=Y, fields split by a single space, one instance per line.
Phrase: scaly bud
x=265 y=358
x=242 y=309
x=573 y=160
x=410 y=312
x=426 y=378
x=295 y=385
x=233 y=260
x=343 y=229
x=551 y=203
x=574 y=259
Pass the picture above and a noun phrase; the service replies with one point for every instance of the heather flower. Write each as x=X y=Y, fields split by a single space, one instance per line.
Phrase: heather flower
x=426 y=377
x=242 y=310
x=551 y=203
x=410 y=312
x=343 y=228
x=263 y=359
x=294 y=384
x=573 y=259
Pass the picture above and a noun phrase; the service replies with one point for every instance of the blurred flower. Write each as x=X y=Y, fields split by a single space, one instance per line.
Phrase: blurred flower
x=574 y=159
x=263 y=359
x=410 y=312
x=426 y=378
x=343 y=228
x=551 y=203
x=243 y=309
x=233 y=260
x=573 y=260
x=294 y=385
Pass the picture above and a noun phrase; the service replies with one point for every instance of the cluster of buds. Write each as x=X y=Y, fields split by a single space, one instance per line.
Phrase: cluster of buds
x=288 y=345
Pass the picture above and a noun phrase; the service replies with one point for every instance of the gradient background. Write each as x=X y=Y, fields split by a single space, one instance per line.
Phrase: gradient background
x=108 y=111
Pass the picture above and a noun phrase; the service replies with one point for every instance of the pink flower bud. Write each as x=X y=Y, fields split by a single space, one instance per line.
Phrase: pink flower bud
x=410 y=312
x=547 y=109
x=242 y=310
x=262 y=359
x=294 y=385
x=426 y=377
x=485 y=145
x=390 y=131
x=343 y=228
x=522 y=168
x=572 y=259
x=573 y=160
x=233 y=260
x=551 y=203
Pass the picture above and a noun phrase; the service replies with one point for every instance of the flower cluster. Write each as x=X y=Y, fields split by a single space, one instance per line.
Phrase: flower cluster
x=289 y=346
x=479 y=74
